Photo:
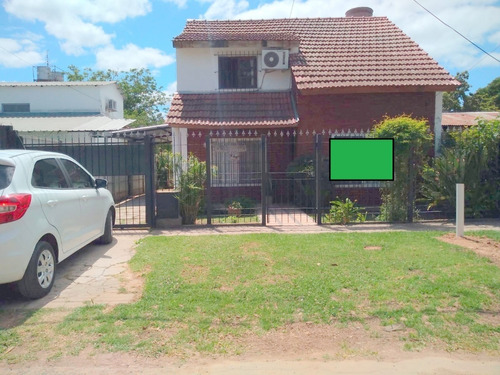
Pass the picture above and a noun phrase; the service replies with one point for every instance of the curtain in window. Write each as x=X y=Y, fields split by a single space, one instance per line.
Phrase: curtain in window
x=237 y=162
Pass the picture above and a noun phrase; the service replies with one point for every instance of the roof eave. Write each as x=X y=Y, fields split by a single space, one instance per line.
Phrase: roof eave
x=229 y=125
x=376 y=89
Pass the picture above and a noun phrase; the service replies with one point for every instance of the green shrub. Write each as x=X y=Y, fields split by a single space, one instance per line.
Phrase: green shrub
x=470 y=157
x=344 y=212
x=412 y=140
x=191 y=188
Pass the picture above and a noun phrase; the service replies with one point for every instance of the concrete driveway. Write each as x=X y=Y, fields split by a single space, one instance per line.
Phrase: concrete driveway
x=96 y=274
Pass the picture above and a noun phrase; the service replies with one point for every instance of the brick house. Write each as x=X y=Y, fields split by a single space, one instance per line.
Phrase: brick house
x=292 y=78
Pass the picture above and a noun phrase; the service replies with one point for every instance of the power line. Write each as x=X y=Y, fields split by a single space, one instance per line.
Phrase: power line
x=13 y=54
x=293 y=3
x=482 y=58
x=463 y=36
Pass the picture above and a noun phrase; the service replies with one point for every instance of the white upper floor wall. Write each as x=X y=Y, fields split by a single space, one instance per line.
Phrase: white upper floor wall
x=60 y=98
x=198 y=67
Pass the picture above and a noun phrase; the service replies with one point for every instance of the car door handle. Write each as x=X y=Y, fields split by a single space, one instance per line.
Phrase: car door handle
x=52 y=203
x=85 y=198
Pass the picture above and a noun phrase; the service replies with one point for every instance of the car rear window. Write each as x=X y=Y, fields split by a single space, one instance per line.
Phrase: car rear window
x=6 y=173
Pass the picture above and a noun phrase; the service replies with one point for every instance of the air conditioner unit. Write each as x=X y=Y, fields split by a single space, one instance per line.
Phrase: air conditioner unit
x=275 y=59
x=111 y=105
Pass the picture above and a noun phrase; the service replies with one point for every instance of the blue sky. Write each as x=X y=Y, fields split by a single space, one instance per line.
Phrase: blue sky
x=123 y=34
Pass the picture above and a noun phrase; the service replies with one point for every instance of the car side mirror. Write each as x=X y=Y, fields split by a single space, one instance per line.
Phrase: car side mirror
x=101 y=183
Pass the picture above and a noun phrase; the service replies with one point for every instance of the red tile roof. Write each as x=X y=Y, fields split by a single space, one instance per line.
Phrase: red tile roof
x=235 y=110
x=208 y=36
x=339 y=54
x=466 y=118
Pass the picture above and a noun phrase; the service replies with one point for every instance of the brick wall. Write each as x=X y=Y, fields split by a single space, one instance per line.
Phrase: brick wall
x=358 y=111
x=328 y=112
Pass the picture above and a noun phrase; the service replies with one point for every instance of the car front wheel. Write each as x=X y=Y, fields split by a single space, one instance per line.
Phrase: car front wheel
x=39 y=276
x=107 y=237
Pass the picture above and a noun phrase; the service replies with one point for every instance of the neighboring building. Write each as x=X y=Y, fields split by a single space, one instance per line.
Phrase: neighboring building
x=461 y=120
x=295 y=77
x=37 y=109
x=52 y=113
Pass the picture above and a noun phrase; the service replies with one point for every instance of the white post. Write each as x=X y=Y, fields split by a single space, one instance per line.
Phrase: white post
x=460 y=210
x=438 y=118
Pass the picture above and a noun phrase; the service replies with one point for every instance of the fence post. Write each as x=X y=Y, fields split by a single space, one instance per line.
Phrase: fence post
x=264 y=178
x=150 y=181
x=9 y=138
x=208 y=193
x=317 y=173
x=460 y=210
x=4 y=140
x=411 y=185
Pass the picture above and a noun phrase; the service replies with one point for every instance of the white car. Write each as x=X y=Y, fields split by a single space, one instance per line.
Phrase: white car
x=50 y=207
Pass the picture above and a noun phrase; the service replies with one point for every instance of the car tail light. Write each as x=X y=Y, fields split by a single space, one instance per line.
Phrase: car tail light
x=13 y=207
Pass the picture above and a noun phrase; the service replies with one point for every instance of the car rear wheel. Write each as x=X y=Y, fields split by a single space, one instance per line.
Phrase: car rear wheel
x=107 y=237
x=39 y=276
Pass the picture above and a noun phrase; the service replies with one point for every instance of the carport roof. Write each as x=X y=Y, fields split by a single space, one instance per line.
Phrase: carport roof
x=63 y=123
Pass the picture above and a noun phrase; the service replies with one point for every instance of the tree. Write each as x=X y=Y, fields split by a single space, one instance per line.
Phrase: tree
x=412 y=140
x=453 y=101
x=143 y=99
x=484 y=99
x=470 y=157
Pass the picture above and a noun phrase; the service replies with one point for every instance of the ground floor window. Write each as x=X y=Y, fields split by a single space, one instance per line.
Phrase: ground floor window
x=237 y=161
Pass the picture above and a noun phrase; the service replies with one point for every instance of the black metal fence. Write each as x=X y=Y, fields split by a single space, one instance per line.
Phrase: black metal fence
x=279 y=178
x=252 y=177
x=128 y=166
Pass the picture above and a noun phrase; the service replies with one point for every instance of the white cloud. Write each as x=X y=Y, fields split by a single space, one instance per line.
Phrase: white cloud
x=19 y=53
x=78 y=35
x=171 y=88
x=131 y=56
x=179 y=3
x=225 y=9
x=73 y=22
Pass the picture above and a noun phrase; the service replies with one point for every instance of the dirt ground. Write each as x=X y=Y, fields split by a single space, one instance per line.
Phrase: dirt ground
x=482 y=246
x=336 y=357
x=298 y=348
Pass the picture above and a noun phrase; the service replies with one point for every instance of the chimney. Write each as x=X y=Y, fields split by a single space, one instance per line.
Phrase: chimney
x=359 y=12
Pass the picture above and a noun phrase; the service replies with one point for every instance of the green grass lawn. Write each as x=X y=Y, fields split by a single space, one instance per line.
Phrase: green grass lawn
x=493 y=234
x=202 y=292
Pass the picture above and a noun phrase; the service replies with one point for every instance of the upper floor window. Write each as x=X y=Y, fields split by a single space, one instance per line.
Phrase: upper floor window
x=238 y=72
x=15 y=107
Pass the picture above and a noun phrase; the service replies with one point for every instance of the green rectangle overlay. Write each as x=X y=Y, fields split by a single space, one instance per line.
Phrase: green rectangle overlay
x=361 y=159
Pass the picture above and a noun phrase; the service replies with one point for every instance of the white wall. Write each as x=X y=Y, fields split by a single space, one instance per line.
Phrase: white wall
x=197 y=69
x=64 y=98
x=111 y=92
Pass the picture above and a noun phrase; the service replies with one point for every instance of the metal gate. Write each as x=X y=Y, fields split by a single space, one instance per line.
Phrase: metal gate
x=249 y=181
x=127 y=165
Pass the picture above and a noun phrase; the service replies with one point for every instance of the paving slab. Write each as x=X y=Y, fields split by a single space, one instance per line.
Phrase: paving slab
x=96 y=274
